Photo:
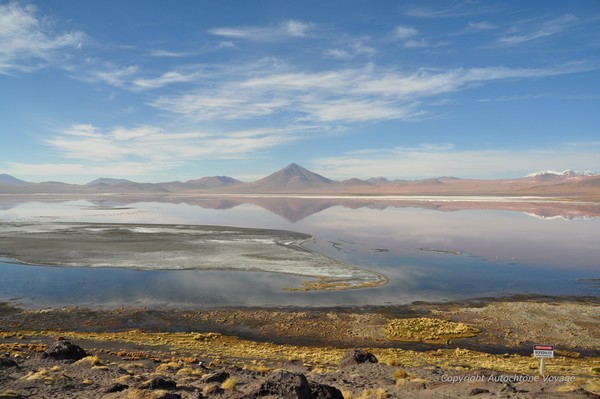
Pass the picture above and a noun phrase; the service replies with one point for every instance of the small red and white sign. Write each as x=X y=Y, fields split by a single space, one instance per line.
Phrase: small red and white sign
x=543 y=350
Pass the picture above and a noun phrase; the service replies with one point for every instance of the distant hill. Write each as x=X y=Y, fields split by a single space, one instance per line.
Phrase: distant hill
x=292 y=177
x=552 y=174
x=8 y=179
x=355 y=182
x=378 y=180
x=213 y=181
x=107 y=181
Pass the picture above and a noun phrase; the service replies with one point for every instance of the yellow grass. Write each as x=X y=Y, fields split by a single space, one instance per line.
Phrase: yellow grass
x=91 y=360
x=241 y=353
x=229 y=384
x=426 y=329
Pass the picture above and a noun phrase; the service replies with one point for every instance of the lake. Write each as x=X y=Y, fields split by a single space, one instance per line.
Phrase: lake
x=430 y=249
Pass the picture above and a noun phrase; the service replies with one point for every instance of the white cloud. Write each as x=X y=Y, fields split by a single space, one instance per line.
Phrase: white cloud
x=169 y=54
x=413 y=43
x=548 y=28
x=482 y=25
x=430 y=160
x=148 y=144
x=353 y=48
x=165 y=79
x=114 y=76
x=359 y=47
x=337 y=53
x=404 y=32
x=462 y=9
x=367 y=94
x=273 y=33
x=51 y=170
x=28 y=42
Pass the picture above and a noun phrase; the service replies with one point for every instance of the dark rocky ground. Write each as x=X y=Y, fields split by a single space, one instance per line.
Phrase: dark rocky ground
x=60 y=371
x=286 y=353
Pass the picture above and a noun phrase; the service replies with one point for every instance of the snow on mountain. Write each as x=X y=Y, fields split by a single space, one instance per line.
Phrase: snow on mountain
x=566 y=173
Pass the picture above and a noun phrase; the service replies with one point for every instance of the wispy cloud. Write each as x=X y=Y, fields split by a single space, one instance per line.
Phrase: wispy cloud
x=461 y=9
x=479 y=26
x=367 y=94
x=114 y=76
x=272 y=33
x=420 y=43
x=519 y=97
x=429 y=160
x=549 y=28
x=169 y=54
x=150 y=144
x=28 y=42
x=353 y=48
x=404 y=32
x=167 y=78
x=51 y=170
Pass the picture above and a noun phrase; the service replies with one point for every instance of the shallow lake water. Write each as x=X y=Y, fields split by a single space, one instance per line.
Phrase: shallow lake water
x=427 y=254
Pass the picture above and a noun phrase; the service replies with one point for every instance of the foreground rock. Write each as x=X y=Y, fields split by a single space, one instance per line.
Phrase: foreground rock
x=283 y=384
x=65 y=350
x=6 y=362
x=323 y=391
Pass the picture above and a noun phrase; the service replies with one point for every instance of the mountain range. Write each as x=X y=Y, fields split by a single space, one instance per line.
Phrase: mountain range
x=294 y=179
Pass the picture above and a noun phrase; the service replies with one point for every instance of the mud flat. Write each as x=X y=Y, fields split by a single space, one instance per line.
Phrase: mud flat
x=179 y=247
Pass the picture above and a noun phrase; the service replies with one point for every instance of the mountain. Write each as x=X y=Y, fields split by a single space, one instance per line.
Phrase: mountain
x=552 y=174
x=355 y=182
x=8 y=179
x=107 y=181
x=213 y=181
x=292 y=177
x=378 y=180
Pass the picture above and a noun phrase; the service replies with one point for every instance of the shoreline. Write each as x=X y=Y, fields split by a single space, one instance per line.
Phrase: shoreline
x=160 y=247
x=259 y=323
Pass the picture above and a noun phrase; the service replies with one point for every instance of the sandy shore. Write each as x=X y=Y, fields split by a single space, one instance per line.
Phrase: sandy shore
x=424 y=350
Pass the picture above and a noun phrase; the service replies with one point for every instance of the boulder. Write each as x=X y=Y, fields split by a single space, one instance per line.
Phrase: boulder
x=169 y=395
x=357 y=356
x=322 y=391
x=283 y=384
x=6 y=362
x=219 y=376
x=161 y=383
x=65 y=350
x=117 y=388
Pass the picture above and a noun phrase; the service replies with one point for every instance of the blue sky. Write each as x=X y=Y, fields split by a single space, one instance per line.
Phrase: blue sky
x=159 y=91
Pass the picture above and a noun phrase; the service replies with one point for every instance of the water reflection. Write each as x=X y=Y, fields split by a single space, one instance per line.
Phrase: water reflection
x=431 y=250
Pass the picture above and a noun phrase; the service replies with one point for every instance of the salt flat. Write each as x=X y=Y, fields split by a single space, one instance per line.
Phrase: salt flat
x=178 y=247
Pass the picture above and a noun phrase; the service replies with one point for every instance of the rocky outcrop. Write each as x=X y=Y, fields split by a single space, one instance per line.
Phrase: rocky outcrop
x=357 y=356
x=65 y=350
x=219 y=376
x=160 y=383
x=323 y=391
x=6 y=362
x=283 y=384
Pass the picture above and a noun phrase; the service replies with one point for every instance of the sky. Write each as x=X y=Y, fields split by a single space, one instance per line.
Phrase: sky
x=156 y=91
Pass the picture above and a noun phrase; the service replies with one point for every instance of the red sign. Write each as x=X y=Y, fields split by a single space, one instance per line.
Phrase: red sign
x=543 y=347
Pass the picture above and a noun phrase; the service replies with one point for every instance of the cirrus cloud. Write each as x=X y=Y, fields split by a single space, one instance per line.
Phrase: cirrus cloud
x=28 y=42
